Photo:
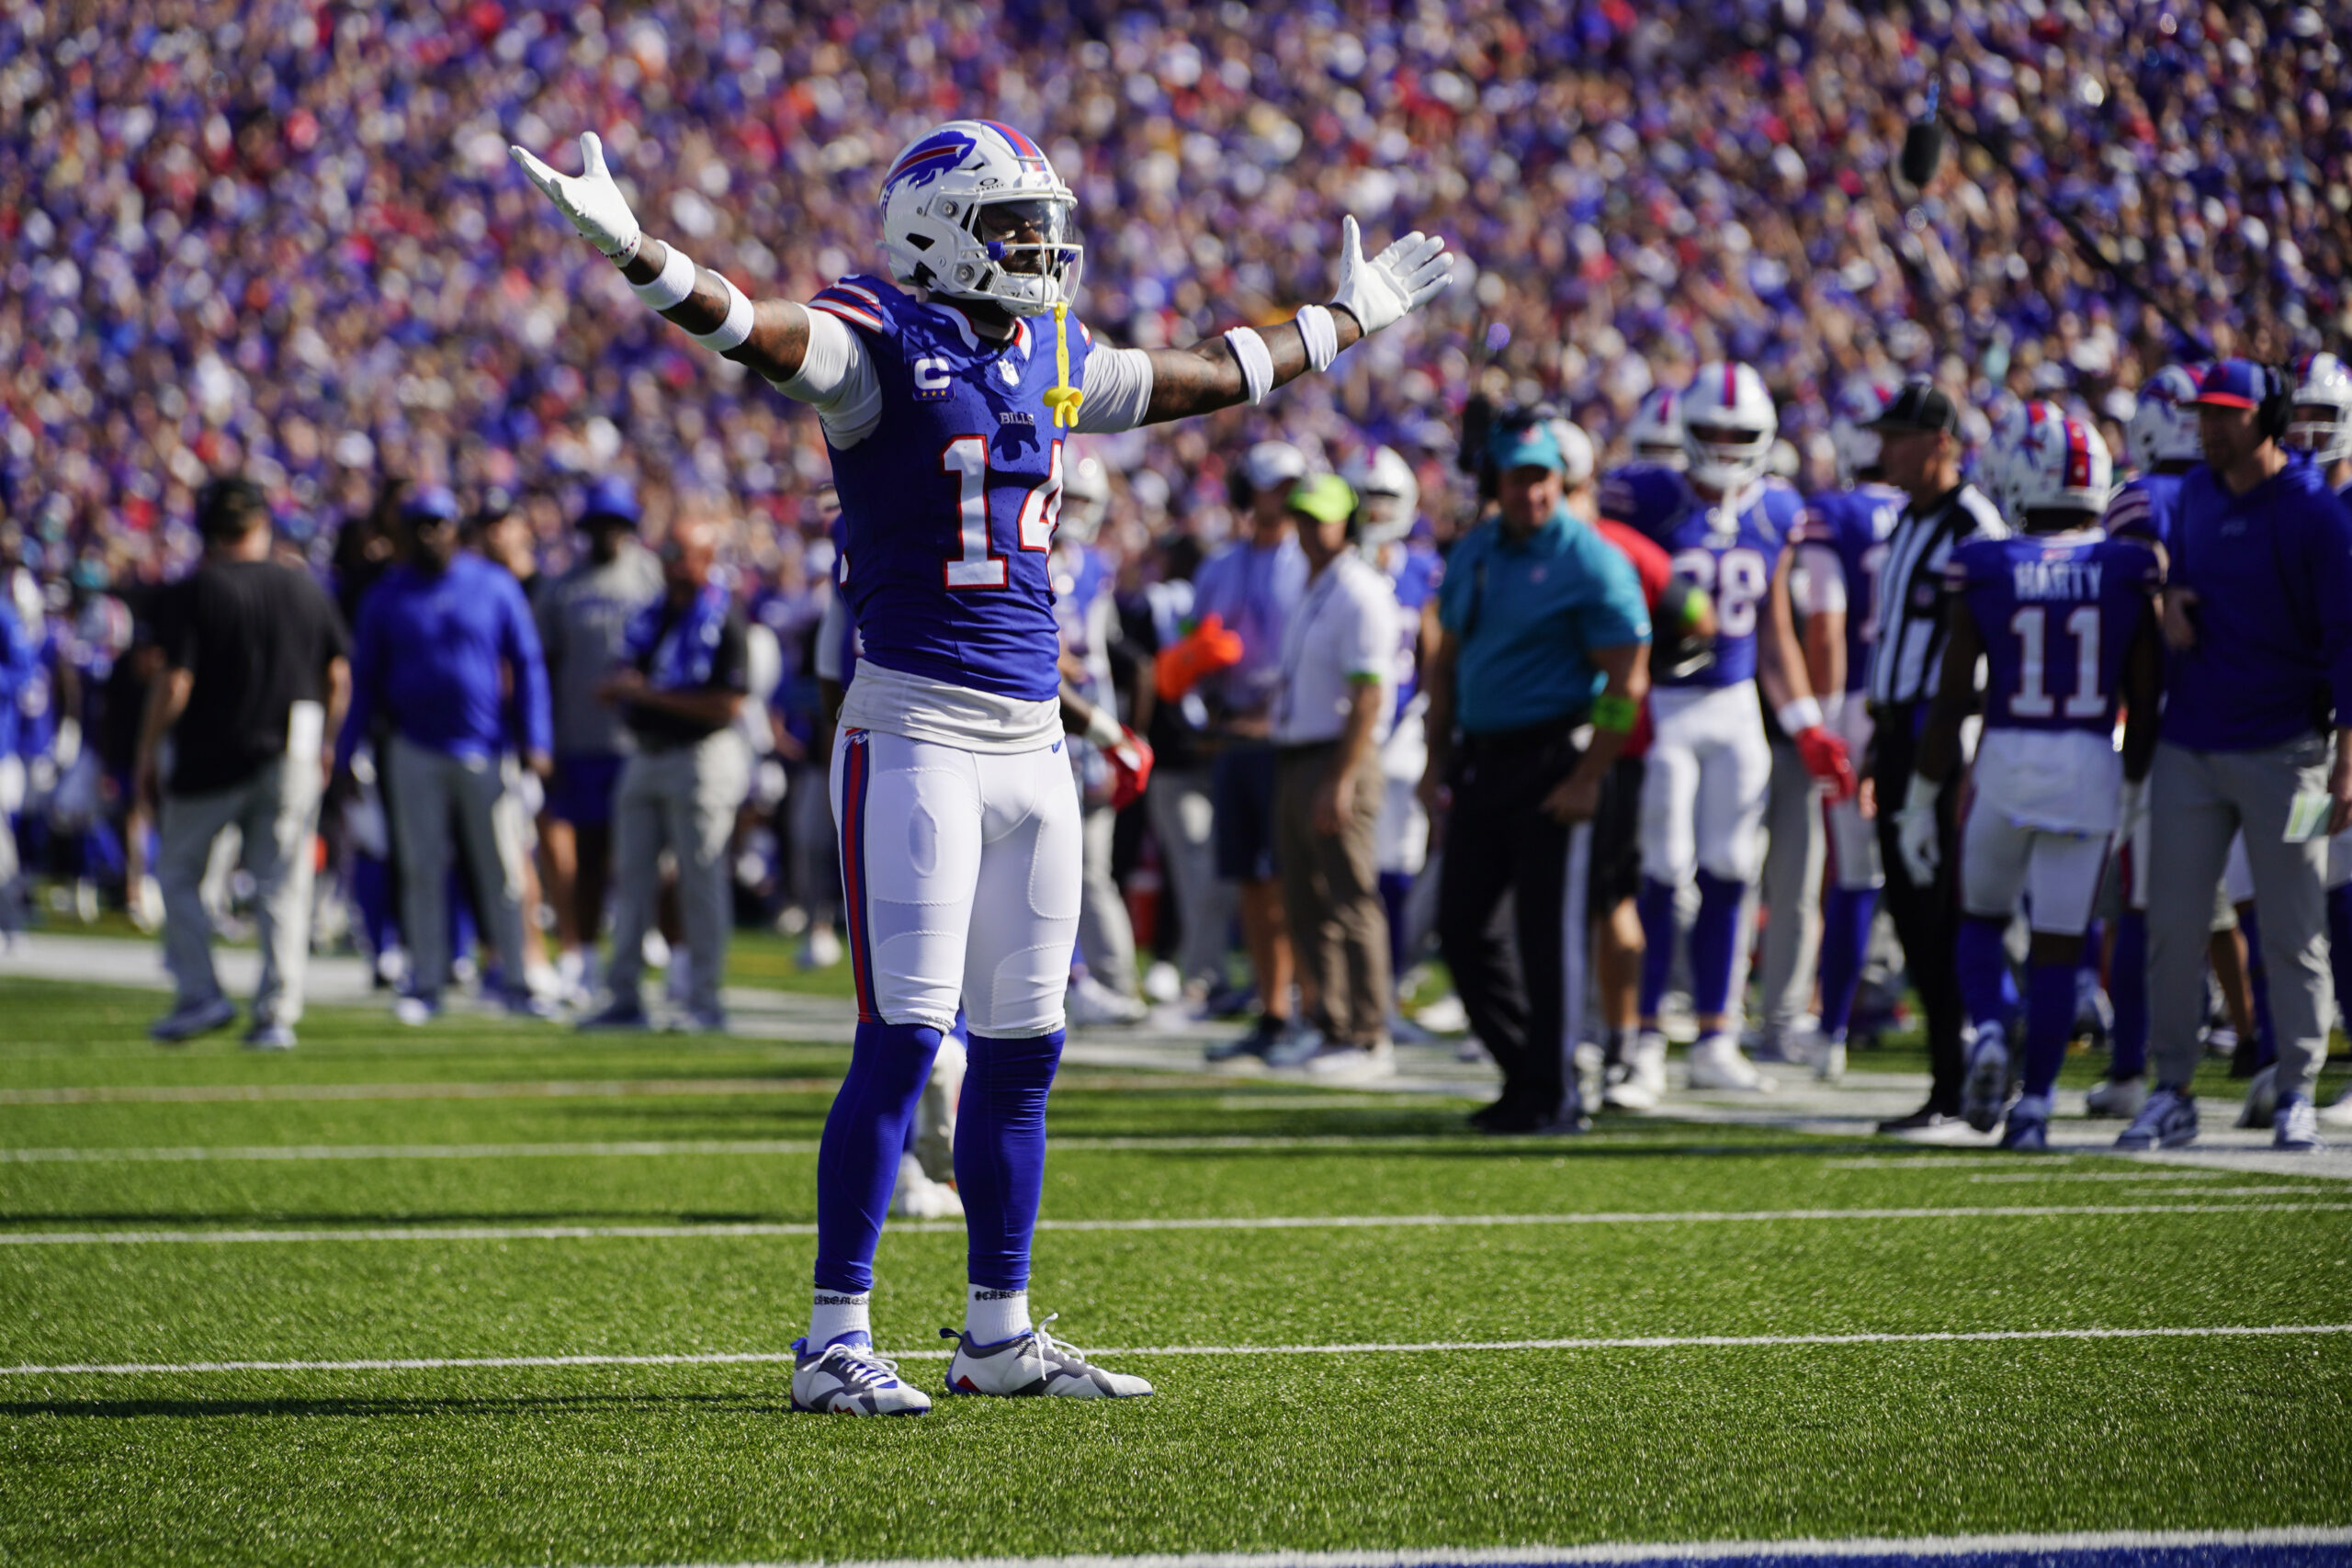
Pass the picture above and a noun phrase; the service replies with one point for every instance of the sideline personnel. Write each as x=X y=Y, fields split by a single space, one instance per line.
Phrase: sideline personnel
x=2258 y=619
x=1542 y=634
x=255 y=677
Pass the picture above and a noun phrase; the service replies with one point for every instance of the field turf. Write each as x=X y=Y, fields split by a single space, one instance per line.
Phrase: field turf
x=403 y=1196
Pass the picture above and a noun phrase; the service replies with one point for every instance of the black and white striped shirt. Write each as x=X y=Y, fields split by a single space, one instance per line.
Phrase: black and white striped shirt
x=1909 y=649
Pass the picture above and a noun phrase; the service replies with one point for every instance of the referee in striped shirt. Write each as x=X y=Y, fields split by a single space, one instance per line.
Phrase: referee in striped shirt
x=1921 y=432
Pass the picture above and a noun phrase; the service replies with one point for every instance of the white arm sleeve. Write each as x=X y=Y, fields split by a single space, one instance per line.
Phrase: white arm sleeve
x=1818 y=586
x=831 y=632
x=837 y=379
x=1118 y=390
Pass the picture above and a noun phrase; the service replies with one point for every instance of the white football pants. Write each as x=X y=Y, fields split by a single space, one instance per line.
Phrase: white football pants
x=1702 y=789
x=960 y=876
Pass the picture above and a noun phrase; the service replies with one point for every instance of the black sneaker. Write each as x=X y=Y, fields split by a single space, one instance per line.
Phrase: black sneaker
x=1263 y=1036
x=1924 y=1120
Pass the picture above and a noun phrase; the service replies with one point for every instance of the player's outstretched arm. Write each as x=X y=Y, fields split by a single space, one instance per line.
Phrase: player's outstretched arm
x=770 y=336
x=1244 y=364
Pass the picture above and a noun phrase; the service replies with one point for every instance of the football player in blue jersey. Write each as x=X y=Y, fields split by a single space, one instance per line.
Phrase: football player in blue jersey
x=1725 y=525
x=1840 y=540
x=2064 y=618
x=946 y=390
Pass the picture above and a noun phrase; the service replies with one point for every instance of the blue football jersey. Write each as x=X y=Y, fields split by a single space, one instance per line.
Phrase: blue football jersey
x=2143 y=509
x=2057 y=614
x=948 y=507
x=1853 y=524
x=1729 y=557
x=1082 y=582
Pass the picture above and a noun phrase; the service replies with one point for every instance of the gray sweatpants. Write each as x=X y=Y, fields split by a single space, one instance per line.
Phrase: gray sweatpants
x=275 y=813
x=2197 y=800
x=1183 y=821
x=682 y=800
x=1791 y=888
x=428 y=789
x=1106 y=938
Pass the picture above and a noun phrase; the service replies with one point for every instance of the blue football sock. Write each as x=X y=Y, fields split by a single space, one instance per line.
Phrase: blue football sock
x=1846 y=921
x=371 y=890
x=857 y=1161
x=1001 y=1153
x=2049 y=1020
x=1395 y=891
x=1714 y=944
x=1984 y=968
x=2257 y=979
x=2129 y=972
x=2339 y=944
x=1655 y=905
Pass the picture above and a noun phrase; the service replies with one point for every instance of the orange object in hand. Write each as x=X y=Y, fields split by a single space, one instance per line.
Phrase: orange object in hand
x=1202 y=652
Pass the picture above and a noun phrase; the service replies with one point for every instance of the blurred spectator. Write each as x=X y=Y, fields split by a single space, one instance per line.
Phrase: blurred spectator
x=679 y=685
x=255 y=677
x=441 y=640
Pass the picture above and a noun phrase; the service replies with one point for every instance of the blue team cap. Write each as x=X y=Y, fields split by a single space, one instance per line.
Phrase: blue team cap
x=612 y=498
x=2233 y=384
x=1526 y=445
x=429 y=503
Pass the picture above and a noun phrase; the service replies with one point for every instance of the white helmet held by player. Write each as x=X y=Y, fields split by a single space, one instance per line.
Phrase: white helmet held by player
x=1389 y=495
x=1855 y=446
x=2321 y=425
x=1086 y=497
x=2164 y=422
x=2062 y=466
x=1655 y=434
x=972 y=209
x=1728 y=422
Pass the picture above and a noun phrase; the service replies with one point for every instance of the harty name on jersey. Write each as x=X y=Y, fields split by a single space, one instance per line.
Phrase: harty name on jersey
x=2056 y=579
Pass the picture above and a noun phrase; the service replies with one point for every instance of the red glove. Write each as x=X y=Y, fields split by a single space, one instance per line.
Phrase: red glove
x=1825 y=758
x=1207 y=649
x=1130 y=768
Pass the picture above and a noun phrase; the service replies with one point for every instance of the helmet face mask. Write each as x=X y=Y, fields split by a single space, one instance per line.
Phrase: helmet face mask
x=1655 y=434
x=973 y=210
x=2322 y=422
x=1388 y=496
x=2163 y=422
x=1728 y=423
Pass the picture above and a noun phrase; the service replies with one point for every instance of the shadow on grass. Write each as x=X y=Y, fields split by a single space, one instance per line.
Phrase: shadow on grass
x=247 y=1218
x=370 y=1408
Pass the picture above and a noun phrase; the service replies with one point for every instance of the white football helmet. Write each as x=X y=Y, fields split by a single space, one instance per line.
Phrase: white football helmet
x=2321 y=425
x=972 y=209
x=1086 y=497
x=1728 y=422
x=1389 y=495
x=2014 y=427
x=1655 y=434
x=2164 y=421
x=2063 y=464
x=1851 y=442
x=1576 y=452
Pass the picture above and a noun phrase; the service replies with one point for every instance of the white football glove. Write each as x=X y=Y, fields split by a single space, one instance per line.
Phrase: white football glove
x=590 y=199
x=1915 y=831
x=1402 y=278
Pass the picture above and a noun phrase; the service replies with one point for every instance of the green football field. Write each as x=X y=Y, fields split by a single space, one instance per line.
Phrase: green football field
x=497 y=1294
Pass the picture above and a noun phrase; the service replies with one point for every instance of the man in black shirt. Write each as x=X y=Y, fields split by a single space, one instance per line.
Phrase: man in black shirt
x=255 y=675
x=679 y=685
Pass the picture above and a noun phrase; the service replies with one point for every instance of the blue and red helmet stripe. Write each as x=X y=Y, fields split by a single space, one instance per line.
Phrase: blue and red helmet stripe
x=1022 y=146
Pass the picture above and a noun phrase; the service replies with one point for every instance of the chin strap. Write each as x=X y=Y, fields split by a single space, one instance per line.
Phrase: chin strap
x=1063 y=398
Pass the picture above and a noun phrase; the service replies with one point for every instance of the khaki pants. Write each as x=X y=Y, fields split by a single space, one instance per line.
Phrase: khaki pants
x=682 y=800
x=277 y=814
x=1331 y=891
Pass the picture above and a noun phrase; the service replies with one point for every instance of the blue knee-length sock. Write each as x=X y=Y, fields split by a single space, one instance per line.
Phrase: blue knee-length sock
x=1985 y=992
x=1655 y=907
x=2128 y=971
x=2257 y=979
x=2049 y=1020
x=1001 y=1153
x=1395 y=891
x=1845 y=943
x=857 y=1161
x=1714 y=944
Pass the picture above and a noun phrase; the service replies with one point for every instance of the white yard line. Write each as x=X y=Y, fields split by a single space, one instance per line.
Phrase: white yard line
x=1375 y=1347
x=660 y=1147
x=1204 y=1222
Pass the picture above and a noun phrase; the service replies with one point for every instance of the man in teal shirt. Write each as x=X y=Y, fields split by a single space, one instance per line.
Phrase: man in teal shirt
x=1537 y=679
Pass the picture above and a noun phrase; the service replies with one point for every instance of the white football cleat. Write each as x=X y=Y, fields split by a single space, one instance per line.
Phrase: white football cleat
x=1353 y=1063
x=1716 y=1064
x=2296 y=1126
x=1643 y=1084
x=1829 y=1060
x=917 y=1197
x=1032 y=1363
x=2118 y=1098
x=1092 y=1004
x=851 y=1380
x=1985 y=1089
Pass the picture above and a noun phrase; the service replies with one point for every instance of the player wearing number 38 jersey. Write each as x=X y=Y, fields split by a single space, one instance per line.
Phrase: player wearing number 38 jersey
x=947 y=392
x=1725 y=525
x=2063 y=617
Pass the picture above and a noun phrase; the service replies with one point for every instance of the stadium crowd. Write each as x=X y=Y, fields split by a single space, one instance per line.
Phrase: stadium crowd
x=286 y=242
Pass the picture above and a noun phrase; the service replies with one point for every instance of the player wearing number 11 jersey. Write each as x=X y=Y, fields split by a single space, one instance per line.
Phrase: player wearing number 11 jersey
x=2063 y=618
x=945 y=390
